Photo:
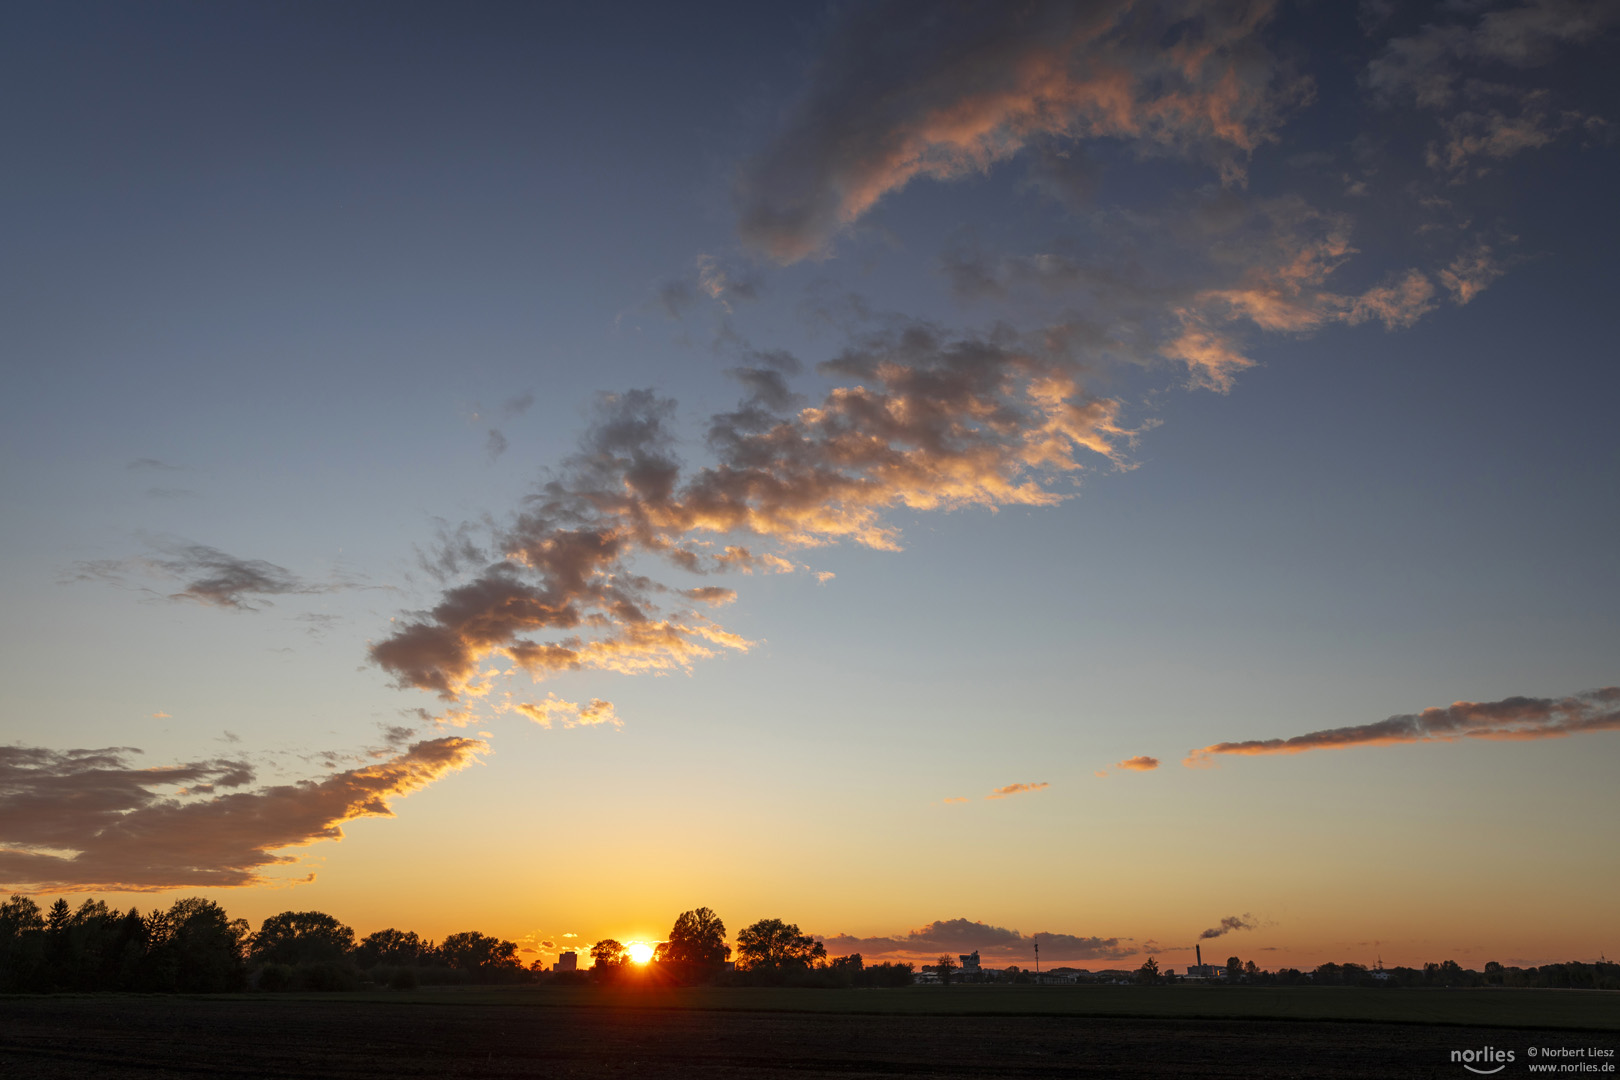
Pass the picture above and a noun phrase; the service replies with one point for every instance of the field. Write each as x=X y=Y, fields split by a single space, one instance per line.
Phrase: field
x=736 y=1033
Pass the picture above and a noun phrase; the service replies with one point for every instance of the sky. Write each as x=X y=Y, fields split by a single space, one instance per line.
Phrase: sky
x=1117 y=476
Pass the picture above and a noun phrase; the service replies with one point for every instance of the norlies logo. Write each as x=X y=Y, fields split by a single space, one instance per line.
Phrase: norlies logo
x=1489 y=1055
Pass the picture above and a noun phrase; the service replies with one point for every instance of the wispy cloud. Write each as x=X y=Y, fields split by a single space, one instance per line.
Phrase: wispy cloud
x=79 y=820
x=209 y=576
x=1017 y=789
x=1140 y=763
x=905 y=91
x=1513 y=719
x=1468 y=72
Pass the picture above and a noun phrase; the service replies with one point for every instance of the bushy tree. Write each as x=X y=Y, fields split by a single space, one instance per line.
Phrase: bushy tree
x=396 y=948
x=608 y=958
x=1148 y=973
x=946 y=967
x=209 y=946
x=773 y=945
x=484 y=958
x=302 y=937
x=697 y=947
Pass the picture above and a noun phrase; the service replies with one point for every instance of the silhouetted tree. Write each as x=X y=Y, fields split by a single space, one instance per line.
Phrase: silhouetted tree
x=1234 y=969
x=210 y=947
x=773 y=945
x=607 y=957
x=485 y=958
x=946 y=967
x=845 y=970
x=302 y=937
x=396 y=948
x=893 y=974
x=1149 y=971
x=697 y=947
x=22 y=945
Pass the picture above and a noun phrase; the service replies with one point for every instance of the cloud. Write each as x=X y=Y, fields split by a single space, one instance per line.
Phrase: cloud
x=1140 y=763
x=211 y=577
x=516 y=405
x=956 y=799
x=1016 y=789
x=726 y=282
x=147 y=464
x=80 y=820
x=554 y=710
x=1471 y=74
x=1511 y=719
x=1470 y=272
x=904 y=91
x=495 y=444
x=1426 y=68
x=591 y=571
x=921 y=421
x=1228 y=924
x=992 y=942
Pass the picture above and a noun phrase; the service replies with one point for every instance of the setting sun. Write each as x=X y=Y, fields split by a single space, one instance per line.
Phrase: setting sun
x=640 y=952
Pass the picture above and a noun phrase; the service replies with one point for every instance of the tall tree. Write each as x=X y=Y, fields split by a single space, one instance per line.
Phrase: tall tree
x=209 y=947
x=946 y=967
x=608 y=958
x=697 y=944
x=22 y=945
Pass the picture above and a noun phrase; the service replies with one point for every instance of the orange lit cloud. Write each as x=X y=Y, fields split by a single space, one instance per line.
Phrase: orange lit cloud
x=1140 y=763
x=922 y=423
x=1513 y=719
x=1016 y=789
x=899 y=96
x=81 y=820
x=554 y=710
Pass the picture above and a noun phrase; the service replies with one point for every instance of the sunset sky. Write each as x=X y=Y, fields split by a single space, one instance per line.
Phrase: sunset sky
x=935 y=474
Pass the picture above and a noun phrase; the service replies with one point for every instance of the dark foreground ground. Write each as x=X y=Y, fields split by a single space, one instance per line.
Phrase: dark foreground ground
x=89 y=1038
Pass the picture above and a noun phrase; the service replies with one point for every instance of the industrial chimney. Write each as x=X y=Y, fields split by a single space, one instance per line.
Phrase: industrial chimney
x=1198 y=950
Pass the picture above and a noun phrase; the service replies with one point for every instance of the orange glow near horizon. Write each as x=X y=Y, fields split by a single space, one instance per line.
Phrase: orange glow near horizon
x=640 y=952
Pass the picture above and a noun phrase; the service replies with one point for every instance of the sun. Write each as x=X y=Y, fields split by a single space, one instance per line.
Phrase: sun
x=640 y=952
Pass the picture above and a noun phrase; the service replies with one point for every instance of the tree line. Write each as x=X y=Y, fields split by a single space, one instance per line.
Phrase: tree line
x=1575 y=975
x=770 y=952
x=195 y=947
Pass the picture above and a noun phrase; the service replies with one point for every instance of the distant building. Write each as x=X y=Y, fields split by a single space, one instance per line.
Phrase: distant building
x=1202 y=970
x=970 y=962
x=568 y=961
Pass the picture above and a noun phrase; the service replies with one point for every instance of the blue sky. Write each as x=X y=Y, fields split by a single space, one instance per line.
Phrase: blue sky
x=293 y=297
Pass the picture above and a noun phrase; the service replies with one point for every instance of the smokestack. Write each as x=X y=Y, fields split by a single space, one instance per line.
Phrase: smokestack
x=1198 y=950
